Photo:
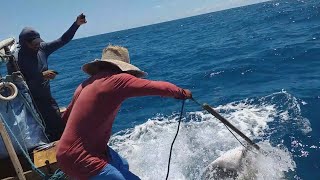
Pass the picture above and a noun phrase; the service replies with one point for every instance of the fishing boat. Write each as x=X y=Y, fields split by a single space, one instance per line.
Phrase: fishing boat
x=25 y=151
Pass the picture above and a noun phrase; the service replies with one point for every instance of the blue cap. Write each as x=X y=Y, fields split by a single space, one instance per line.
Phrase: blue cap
x=28 y=34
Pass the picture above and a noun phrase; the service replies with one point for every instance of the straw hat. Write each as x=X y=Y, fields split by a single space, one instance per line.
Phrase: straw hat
x=113 y=57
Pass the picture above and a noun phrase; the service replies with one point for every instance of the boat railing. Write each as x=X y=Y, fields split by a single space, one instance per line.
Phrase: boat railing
x=21 y=127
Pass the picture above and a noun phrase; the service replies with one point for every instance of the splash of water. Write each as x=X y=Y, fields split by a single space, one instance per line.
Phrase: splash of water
x=203 y=138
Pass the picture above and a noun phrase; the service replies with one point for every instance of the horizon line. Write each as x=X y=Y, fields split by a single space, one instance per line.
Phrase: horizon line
x=166 y=21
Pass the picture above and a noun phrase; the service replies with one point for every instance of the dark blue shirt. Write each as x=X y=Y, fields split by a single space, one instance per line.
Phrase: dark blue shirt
x=32 y=64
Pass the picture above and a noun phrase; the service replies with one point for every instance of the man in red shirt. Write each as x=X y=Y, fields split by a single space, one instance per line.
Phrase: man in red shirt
x=82 y=150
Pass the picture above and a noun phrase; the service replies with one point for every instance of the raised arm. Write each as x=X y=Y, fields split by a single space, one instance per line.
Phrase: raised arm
x=50 y=47
x=130 y=86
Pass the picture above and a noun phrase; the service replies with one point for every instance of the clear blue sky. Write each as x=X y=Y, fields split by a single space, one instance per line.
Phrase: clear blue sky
x=52 y=18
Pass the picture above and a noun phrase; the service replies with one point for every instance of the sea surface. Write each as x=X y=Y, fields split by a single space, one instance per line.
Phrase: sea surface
x=258 y=65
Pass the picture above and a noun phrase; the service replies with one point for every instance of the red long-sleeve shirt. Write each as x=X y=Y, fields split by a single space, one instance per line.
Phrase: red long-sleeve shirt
x=82 y=150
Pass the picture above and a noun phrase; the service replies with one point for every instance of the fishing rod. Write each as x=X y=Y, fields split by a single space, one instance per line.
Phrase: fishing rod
x=226 y=122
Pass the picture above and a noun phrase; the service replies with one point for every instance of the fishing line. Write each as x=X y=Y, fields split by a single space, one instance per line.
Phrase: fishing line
x=182 y=107
x=235 y=137
x=219 y=117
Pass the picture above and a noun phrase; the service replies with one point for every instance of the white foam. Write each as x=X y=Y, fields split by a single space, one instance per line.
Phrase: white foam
x=216 y=73
x=268 y=165
x=202 y=139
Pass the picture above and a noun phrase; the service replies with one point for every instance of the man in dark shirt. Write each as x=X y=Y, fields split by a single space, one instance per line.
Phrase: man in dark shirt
x=33 y=63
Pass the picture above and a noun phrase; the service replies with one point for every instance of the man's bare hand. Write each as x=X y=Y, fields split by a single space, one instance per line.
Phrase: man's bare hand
x=49 y=74
x=188 y=93
x=81 y=19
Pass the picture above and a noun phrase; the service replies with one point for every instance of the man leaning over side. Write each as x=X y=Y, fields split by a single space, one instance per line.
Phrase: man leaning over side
x=82 y=151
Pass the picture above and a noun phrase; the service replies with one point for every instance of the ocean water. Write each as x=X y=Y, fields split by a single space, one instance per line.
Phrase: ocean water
x=257 y=65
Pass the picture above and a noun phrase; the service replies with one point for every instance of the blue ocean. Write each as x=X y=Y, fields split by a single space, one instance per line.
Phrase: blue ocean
x=257 y=65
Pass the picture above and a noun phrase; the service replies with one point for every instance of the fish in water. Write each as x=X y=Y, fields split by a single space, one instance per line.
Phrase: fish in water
x=229 y=166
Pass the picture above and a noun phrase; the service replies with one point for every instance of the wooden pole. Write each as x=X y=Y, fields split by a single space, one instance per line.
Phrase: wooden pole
x=12 y=153
x=227 y=123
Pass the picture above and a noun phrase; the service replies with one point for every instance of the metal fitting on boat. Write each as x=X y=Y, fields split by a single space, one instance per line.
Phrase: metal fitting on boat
x=10 y=89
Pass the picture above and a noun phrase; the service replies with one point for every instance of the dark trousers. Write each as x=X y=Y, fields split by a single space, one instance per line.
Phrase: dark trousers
x=49 y=110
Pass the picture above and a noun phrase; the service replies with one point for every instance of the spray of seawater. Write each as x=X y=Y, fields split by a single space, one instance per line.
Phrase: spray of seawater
x=202 y=139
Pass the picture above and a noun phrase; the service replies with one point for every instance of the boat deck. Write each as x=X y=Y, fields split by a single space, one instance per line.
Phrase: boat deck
x=44 y=160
